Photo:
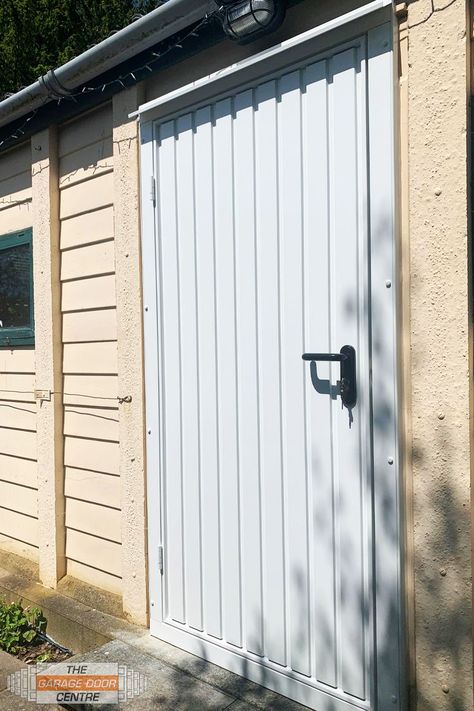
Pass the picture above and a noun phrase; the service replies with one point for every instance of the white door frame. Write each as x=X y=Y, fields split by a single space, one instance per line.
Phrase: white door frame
x=374 y=19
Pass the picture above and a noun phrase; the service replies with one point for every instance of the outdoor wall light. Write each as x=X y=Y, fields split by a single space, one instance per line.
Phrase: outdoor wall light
x=246 y=20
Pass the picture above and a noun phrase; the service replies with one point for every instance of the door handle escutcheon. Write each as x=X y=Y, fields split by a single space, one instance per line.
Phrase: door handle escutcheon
x=347 y=359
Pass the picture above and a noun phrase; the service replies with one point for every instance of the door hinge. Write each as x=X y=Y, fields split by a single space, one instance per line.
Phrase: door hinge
x=160 y=559
x=153 y=190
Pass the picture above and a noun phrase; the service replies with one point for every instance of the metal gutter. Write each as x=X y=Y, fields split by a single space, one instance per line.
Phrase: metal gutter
x=149 y=30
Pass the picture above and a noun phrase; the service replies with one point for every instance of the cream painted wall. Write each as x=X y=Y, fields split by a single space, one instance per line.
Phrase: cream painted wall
x=18 y=466
x=89 y=364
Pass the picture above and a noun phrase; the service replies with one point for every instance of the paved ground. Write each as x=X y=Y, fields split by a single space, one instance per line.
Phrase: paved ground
x=9 y=702
x=199 y=687
x=176 y=680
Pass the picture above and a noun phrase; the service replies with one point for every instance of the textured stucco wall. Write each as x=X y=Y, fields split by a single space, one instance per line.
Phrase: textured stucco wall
x=130 y=355
x=439 y=334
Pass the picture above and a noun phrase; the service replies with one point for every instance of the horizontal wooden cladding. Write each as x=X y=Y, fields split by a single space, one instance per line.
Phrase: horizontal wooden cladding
x=87 y=129
x=18 y=416
x=95 y=552
x=18 y=387
x=87 y=228
x=92 y=576
x=18 y=470
x=17 y=160
x=19 y=360
x=90 y=390
x=99 y=423
x=91 y=454
x=94 y=226
x=87 y=162
x=18 y=498
x=16 y=217
x=94 y=519
x=93 y=293
x=92 y=486
x=20 y=548
x=99 y=358
x=19 y=526
x=14 y=189
x=88 y=195
x=92 y=260
x=18 y=443
x=92 y=326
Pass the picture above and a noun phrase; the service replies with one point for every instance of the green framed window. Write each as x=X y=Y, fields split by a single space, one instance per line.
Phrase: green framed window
x=16 y=289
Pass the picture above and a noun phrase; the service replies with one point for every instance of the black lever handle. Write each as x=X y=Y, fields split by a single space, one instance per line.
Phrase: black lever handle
x=332 y=357
x=347 y=359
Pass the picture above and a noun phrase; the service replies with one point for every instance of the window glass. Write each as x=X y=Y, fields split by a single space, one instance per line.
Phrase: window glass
x=15 y=287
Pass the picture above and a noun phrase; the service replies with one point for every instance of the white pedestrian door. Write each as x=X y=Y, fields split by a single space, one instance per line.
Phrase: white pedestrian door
x=266 y=479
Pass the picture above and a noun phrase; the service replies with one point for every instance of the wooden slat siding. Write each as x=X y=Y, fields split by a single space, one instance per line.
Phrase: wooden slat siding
x=93 y=486
x=90 y=128
x=96 y=455
x=18 y=471
x=87 y=228
x=94 y=422
x=19 y=360
x=17 y=368
x=91 y=447
x=18 y=416
x=95 y=577
x=90 y=195
x=18 y=443
x=18 y=467
x=90 y=326
x=94 y=293
x=93 y=358
x=17 y=498
x=18 y=526
x=91 y=390
x=92 y=260
x=95 y=519
x=87 y=162
x=15 y=218
x=18 y=387
x=16 y=160
x=19 y=548
x=14 y=189
x=94 y=551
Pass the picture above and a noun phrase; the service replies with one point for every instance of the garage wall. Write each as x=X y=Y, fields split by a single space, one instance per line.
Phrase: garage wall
x=91 y=449
x=18 y=468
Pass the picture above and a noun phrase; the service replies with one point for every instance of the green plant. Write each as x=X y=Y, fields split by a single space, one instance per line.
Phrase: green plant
x=19 y=626
x=44 y=657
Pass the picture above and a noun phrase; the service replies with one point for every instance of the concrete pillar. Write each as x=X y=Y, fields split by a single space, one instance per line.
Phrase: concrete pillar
x=48 y=353
x=130 y=355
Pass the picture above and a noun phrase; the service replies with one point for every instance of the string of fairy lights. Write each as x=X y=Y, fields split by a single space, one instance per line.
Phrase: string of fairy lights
x=123 y=80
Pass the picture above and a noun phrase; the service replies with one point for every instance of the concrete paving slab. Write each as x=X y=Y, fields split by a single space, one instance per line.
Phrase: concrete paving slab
x=240 y=706
x=8 y=665
x=9 y=702
x=168 y=689
x=84 y=628
x=232 y=684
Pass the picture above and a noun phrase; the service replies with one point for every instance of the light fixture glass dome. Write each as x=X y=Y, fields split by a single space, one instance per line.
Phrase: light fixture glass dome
x=247 y=19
